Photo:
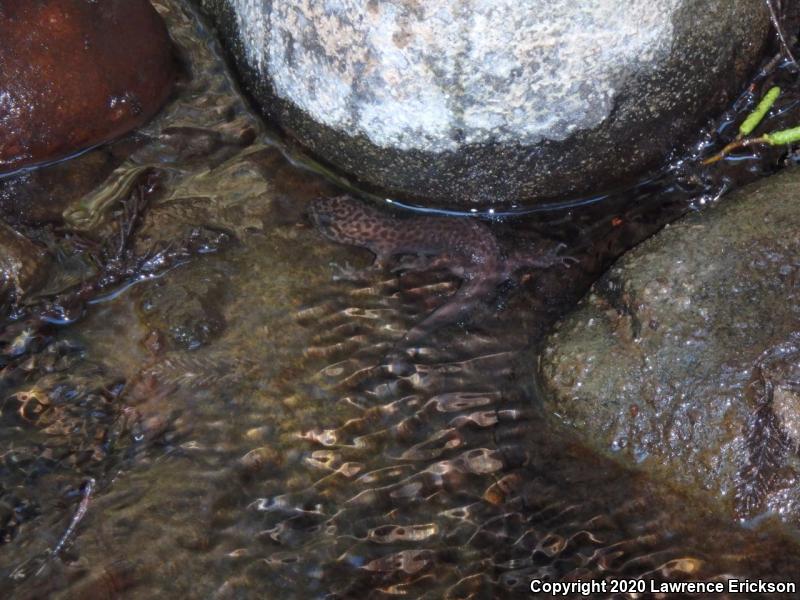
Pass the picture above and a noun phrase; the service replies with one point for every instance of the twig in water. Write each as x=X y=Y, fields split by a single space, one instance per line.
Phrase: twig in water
x=748 y=126
x=88 y=488
x=735 y=145
x=776 y=23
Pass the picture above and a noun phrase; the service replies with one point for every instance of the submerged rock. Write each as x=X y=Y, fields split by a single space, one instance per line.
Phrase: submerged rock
x=188 y=312
x=74 y=74
x=684 y=358
x=22 y=265
x=458 y=104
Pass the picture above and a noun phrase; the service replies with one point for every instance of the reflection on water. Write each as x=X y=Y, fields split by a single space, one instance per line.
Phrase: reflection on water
x=227 y=422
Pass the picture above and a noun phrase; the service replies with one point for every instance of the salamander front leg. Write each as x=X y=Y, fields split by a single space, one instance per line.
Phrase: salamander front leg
x=350 y=273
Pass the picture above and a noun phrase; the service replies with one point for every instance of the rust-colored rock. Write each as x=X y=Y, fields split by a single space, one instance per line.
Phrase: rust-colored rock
x=76 y=73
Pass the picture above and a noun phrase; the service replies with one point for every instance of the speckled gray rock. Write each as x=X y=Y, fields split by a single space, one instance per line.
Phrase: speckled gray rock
x=486 y=102
x=685 y=357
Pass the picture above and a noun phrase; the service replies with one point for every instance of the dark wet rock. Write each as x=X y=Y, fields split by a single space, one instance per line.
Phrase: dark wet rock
x=188 y=312
x=37 y=196
x=460 y=104
x=684 y=357
x=22 y=265
x=74 y=74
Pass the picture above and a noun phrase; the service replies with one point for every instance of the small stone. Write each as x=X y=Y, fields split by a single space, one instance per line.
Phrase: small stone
x=260 y=459
x=258 y=434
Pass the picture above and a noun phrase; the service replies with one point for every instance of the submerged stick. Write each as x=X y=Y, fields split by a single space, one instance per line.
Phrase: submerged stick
x=748 y=126
x=88 y=488
x=776 y=138
x=735 y=145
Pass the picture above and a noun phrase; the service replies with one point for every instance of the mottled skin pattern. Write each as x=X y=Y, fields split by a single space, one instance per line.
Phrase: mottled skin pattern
x=464 y=246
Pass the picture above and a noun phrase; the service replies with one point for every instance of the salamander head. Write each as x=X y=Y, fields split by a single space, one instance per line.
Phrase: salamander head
x=343 y=219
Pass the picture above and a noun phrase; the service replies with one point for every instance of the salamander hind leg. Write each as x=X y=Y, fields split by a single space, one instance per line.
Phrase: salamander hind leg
x=458 y=307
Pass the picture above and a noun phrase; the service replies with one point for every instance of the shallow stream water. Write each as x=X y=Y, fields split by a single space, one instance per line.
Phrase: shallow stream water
x=220 y=422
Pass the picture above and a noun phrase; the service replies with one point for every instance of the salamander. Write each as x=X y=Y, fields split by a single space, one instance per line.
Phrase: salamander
x=464 y=246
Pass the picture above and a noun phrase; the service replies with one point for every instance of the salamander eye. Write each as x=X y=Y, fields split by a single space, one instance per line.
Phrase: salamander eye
x=323 y=219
